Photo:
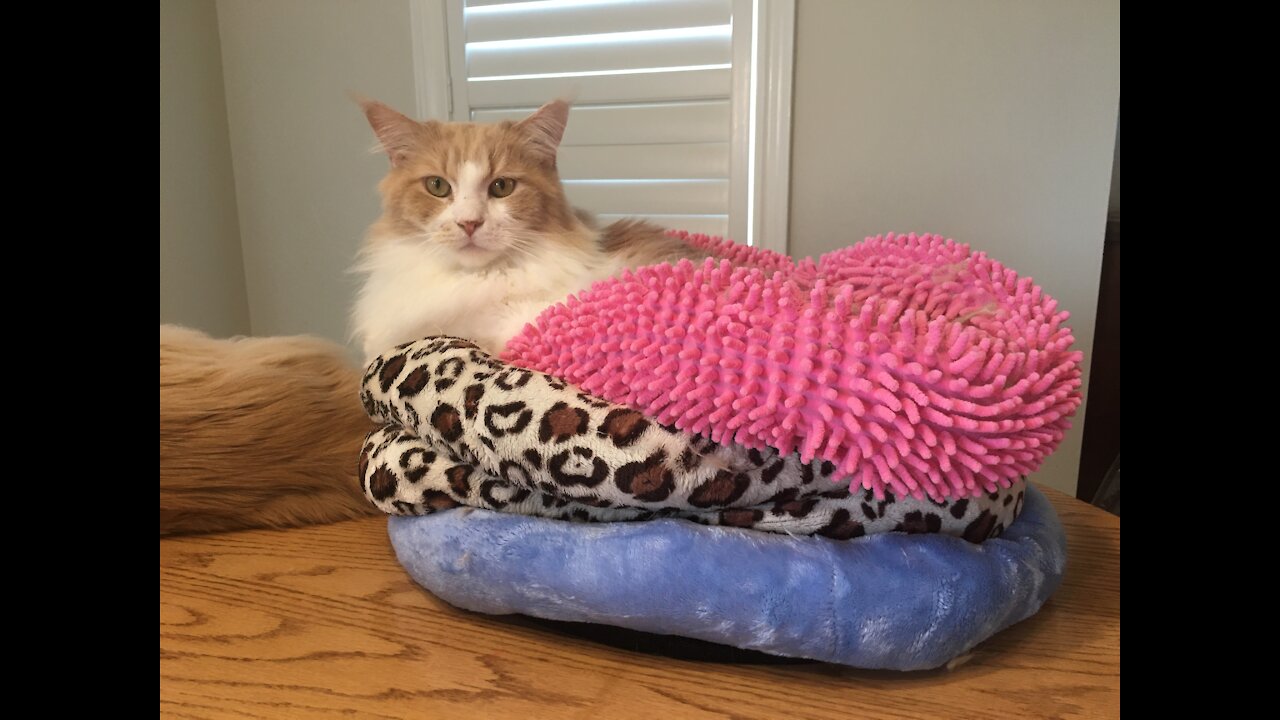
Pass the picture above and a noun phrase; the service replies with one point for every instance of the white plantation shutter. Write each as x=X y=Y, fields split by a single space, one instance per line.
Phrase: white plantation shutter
x=650 y=133
x=682 y=108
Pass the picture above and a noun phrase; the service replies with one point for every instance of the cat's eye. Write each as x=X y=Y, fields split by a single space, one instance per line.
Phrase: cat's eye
x=437 y=186
x=502 y=187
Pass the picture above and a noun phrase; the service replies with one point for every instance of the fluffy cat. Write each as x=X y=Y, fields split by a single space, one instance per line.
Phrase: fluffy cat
x=475 y=239
x=257 y=432
x=476 y=236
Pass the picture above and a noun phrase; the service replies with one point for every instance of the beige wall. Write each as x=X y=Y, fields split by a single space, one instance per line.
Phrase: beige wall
x=1113 y=207
x=990 y=121
x=305 y=180
x=201 y=274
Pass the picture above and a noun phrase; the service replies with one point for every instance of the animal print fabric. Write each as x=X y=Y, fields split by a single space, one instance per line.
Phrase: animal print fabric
x=464 y=429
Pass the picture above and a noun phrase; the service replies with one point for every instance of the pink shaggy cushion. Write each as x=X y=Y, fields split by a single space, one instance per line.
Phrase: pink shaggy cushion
x=909 y=362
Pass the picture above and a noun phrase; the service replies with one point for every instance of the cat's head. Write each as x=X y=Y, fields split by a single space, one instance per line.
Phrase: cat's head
x=480 y=194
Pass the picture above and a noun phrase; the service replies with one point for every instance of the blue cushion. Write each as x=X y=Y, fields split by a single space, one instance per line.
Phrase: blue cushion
x=895 y=601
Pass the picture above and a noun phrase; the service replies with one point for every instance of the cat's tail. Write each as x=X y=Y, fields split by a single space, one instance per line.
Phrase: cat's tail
x=257 y=432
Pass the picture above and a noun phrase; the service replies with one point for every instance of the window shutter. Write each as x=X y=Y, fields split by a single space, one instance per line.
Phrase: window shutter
x=651 y=131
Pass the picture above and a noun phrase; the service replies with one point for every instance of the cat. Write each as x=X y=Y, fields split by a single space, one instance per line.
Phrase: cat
x=257 y=432
x=475 y=239
x=476 y=236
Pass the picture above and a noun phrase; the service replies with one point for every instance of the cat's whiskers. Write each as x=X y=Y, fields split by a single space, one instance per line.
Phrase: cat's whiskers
x=523 y=243
x=523 y=246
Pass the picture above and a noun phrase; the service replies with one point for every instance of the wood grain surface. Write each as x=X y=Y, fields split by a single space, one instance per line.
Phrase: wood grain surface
x=322 y=622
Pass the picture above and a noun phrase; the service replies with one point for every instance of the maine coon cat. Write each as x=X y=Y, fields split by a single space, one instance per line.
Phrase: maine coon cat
x=257 y=432
x=476 y=238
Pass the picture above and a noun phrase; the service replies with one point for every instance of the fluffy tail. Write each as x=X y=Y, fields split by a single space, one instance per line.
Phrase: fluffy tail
x=257 y=432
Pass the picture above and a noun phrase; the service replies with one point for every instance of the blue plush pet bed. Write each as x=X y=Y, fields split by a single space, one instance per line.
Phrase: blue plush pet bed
x=893 y=601
x=817 y=459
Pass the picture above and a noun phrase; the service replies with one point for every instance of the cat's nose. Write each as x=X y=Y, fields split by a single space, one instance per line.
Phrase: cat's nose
x=469 y=226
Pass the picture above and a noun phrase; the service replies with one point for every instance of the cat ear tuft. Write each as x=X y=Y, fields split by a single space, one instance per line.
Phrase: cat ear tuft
x=545 y=128
x=396 y=132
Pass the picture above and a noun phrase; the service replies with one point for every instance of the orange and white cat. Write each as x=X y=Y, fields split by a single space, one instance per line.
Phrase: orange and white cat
x=476 y=238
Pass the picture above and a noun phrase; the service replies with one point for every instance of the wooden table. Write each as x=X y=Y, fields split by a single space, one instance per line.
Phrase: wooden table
x=322 y=622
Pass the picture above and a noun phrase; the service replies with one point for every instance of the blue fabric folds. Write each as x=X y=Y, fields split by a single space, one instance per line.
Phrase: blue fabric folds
x=893 y=601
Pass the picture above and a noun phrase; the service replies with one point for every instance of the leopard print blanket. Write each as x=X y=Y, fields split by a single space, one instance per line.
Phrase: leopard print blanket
x=460 y=428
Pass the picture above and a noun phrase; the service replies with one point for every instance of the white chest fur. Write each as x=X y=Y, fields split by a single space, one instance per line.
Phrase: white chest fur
x=412 y=290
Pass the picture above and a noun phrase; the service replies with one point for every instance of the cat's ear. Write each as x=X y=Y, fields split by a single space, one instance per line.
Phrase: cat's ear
x=396 y=132
x=545 y=128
